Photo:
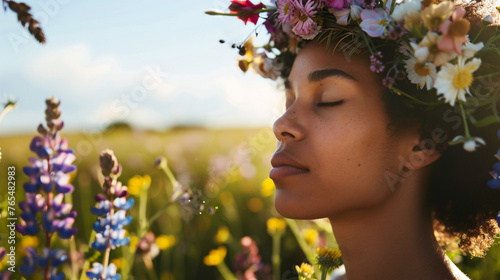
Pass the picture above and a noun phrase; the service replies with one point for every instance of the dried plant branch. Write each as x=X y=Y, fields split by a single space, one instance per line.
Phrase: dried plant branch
x=26 y=19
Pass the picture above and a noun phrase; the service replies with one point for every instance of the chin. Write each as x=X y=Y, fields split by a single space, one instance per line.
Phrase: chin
x=295 y=208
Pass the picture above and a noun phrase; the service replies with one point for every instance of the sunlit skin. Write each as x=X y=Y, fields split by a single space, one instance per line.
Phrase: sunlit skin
x=332 y=159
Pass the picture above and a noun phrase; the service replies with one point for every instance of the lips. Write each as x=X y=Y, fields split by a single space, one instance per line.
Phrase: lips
x=285 y=165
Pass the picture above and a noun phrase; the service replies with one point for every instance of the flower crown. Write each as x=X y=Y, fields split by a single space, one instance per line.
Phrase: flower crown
x=433 y=48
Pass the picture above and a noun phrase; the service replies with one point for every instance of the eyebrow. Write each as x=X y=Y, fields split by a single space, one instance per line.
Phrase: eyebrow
x=319 y=75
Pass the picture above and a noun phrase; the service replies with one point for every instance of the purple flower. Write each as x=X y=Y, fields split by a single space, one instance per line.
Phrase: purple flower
x=376 y=64
x=495 y=173
x=56 y=257
x=271 y=24
x=374 y=22
x=305 y=26
x=111 y=207
x=368 y=4
x=388 y=81
x=29 y=262
x=4 y=275
x=44 y=192
x=337 y=4
x=287 y=12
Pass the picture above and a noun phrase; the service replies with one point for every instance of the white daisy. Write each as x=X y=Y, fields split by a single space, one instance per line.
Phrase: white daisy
x=470 y=49
x=421 y=73
x=453 y=81
x=406 y=8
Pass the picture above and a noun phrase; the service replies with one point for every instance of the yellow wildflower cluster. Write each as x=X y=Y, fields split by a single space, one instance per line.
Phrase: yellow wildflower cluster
x=215 y=256
x=305 y=271
x=165 y=242
x=138 y=183
x=276 y=226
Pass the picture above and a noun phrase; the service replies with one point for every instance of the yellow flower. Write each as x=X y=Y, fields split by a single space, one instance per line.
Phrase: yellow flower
x=120 y=262
x=276 y=226
x=222 y=235
x=137 y=183
x=165 y=241
x=215 y=257
x=133 y=243
x=329 y=258
x=28 y=241
x=267 y=187
x=305 y=271
x=310 y=235
x=434 y=15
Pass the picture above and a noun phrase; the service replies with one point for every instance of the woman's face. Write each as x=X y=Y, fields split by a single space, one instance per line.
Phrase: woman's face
x=334 y=152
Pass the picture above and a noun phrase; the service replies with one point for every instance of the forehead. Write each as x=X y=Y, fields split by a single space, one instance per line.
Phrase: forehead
x=315 y=57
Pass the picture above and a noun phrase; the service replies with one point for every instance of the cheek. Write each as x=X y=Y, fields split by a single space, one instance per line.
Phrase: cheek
x=353 y=165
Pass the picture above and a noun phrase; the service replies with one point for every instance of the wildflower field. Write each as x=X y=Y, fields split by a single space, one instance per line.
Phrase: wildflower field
x=198 y=205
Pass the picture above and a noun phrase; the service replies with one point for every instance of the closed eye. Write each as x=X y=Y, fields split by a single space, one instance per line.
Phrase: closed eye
x=330 y=104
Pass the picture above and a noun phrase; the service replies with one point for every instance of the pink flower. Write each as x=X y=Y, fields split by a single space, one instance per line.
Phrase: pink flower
x=342 y=16
x=375 y=22
x=287 y=12
x=454 y=32
x=246 y=10
x=305 y=26
x=337 y=4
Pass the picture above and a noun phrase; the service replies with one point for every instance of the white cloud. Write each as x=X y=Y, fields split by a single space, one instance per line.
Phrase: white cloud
x=74 y=68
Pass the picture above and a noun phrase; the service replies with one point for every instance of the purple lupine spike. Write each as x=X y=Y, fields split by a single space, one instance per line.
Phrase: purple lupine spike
x=44 y=208
x=111 y=207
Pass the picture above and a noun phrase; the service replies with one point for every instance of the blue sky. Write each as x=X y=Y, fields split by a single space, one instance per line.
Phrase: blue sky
x=151 y=63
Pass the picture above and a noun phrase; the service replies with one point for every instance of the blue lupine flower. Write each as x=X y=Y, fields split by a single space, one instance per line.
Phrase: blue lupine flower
x=111 y=210
x=495 y=182
x=96 y=272
x=102 y=208
x=45 y=190
x=123 y=203
x=53 y=275
x=57 y=257
x=29 y=262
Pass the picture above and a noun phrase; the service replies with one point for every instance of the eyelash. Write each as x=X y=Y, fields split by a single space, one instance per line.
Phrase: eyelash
x=330 y=104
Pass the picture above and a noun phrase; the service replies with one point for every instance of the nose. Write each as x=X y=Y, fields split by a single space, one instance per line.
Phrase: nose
x=288 y=127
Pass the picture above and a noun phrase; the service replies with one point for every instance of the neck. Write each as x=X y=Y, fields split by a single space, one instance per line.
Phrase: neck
x=393 y=240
